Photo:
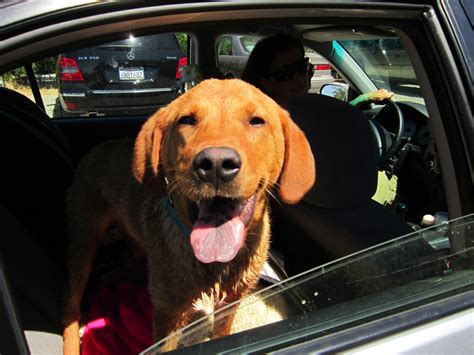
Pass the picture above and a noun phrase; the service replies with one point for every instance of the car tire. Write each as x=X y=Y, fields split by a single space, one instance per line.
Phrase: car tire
x=58 y=111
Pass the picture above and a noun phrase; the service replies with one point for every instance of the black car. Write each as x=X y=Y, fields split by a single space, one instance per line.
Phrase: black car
x=137 y=74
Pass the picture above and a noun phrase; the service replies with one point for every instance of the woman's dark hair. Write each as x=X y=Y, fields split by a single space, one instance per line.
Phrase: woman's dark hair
x=262 y=56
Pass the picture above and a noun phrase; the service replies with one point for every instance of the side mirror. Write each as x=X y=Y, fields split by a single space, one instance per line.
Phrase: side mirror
x=337 y=90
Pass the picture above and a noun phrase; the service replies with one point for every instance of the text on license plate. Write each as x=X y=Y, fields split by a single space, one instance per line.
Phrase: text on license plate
x=131 y=74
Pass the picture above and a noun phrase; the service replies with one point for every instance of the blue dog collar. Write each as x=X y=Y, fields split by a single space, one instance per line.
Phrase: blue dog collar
x=170 y=211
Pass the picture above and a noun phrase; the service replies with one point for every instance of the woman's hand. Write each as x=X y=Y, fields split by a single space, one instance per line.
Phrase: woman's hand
x=373 y=96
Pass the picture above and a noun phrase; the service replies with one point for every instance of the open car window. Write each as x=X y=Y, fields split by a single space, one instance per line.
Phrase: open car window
x=401 y=274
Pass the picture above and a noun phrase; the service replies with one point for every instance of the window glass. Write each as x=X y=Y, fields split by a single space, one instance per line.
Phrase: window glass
x=234 y=50
x=249 y=42
x=18 y=80
x=386 y=62
x=398 y=275
x=225 y=46
x=132 y=76
x=323 y=72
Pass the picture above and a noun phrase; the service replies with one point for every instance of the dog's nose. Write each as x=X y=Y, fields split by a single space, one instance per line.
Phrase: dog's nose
x=216 y=165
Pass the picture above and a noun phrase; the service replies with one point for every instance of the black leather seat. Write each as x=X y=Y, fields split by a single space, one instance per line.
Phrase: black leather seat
x=193 y=74
x=337 y=217
x=37 y=171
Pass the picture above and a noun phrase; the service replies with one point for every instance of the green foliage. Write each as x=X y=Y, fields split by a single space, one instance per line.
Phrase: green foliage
x=45 y=66
x=18 y=76
x=183 y=41
x=14 y=75
x=340 y=94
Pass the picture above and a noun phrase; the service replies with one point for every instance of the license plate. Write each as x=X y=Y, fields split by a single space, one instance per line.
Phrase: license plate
x=131 y=74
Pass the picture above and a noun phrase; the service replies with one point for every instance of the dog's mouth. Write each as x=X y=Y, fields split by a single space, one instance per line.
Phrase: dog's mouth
x=219 y=227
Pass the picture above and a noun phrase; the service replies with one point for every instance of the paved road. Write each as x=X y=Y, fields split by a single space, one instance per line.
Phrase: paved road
x=49 y=101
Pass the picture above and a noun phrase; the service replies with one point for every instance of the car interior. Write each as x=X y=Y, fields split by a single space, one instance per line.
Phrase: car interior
x=337 y=217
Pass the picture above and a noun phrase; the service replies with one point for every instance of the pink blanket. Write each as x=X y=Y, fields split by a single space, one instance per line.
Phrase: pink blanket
x=120 y=320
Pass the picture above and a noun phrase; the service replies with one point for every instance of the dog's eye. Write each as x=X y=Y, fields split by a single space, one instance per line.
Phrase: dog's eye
x=256 y=121
x=188 y=120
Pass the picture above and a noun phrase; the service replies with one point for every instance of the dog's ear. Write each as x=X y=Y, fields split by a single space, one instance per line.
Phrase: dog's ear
x=146 y=155
x=299 y=171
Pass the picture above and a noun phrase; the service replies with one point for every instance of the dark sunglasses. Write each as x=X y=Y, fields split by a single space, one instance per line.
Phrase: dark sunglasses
x=289 y=71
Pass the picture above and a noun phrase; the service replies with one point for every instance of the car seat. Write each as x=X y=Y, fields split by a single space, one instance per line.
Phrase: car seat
x=337 y=216
x=37 y=171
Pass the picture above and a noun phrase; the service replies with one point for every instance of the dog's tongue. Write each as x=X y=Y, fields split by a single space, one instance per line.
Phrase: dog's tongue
x=218 y=233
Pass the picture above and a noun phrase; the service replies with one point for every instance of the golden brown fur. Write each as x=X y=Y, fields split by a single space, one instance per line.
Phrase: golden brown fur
x=122 y=183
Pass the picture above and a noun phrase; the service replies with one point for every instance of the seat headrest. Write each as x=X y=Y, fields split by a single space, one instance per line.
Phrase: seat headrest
x=32 y=118
x=194 y=74
x=344 y=150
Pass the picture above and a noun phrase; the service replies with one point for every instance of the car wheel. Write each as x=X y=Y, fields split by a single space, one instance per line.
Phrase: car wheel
x=58 y=111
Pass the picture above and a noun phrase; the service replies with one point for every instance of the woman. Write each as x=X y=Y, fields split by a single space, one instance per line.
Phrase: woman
x=278 y=67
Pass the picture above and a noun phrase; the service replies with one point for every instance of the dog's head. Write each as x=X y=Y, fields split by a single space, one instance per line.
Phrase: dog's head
x=223 y=146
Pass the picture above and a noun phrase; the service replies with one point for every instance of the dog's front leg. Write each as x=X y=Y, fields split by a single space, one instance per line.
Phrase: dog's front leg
x=223 y=327
x=166 y=323
x=88 y=218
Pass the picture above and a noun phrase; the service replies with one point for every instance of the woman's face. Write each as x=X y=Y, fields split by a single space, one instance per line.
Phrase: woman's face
x=288 y=76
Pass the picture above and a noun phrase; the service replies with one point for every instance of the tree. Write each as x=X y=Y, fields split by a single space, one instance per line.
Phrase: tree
x=183 y=41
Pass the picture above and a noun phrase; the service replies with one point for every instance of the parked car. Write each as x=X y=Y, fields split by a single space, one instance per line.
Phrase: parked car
x=323 y=71
x=135 y=75
x=347 y=281
x=233 y=52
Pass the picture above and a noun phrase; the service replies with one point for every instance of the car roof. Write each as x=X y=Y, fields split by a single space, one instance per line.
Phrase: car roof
x=19 y=11
x=48 y=28
x=16 y=12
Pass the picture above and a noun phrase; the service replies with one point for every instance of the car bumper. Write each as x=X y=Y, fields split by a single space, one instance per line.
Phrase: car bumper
x=114 y=102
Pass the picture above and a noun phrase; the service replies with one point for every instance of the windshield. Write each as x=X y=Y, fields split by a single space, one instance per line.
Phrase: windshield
x=387 y=64
x=406 y=272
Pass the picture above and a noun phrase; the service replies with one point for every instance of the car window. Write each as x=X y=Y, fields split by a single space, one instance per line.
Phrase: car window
x=225 y=46
x=409 y=271
x=323 y=72
x=234 y=50
x=131 y=76
x=386 y=62
x=249 y=42
x=45 y=77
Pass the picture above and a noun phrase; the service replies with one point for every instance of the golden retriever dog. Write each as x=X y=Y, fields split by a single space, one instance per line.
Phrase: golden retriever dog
x=191 y=193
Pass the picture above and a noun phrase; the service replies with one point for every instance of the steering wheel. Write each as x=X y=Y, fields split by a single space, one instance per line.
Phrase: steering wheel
x=388 y=126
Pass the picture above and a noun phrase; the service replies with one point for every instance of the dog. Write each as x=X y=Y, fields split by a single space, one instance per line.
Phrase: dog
x=192 y=193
